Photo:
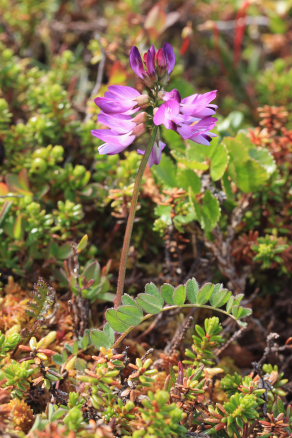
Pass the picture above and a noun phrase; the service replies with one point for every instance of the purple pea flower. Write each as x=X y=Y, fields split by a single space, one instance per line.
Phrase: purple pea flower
x=122 y=107
x=118 y=113
x=190 y=117
x=155 y=64
x=119 y=99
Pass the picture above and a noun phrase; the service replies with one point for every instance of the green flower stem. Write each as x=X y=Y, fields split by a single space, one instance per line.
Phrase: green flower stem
x=131 y=218
x=184 y=306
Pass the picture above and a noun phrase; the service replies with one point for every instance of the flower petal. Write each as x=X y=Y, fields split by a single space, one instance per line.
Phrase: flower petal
x=116 y=123
x=201 y=139
x=109 y=136
x=124 y=91
x=166 y=113
x=156 y=153
x=173 y=94
x=113 y=106
x=111 y=149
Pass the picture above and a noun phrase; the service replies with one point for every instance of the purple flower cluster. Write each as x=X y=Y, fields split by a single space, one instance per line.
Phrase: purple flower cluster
x=122 y=107
x=190 y=117
x=119 y=110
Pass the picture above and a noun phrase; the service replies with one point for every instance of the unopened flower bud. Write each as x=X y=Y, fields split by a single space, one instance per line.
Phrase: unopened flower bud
x=140 y=118
x=139 y=130
x=143 y=99
x=161 y=60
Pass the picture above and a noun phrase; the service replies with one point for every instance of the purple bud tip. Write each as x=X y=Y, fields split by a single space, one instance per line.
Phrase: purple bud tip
x=170 y=56
x=136 y=62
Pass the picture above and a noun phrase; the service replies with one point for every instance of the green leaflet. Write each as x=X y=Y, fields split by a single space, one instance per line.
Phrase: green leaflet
x=150 y=303
x=220 y=296
x=192 y=289
x=112 y=316
x=179 y=295
x=167 y=293
x=126 y=299
x=151 y=289
x=125 y=317
x=205 y=293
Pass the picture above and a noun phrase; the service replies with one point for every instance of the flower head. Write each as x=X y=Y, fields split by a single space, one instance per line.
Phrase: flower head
x=190 y=117
x=122 y=107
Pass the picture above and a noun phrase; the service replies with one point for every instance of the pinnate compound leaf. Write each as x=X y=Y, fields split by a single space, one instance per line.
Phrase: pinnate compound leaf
x=130 y=313
x=179 y=295
x=250 y=167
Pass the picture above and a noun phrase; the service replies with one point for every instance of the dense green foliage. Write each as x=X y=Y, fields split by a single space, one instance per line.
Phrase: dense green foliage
x=175 y=359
